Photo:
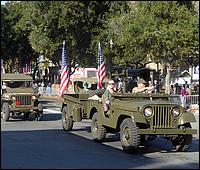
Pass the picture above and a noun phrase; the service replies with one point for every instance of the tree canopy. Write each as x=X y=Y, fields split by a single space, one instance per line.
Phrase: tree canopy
x=155 y=31
x=141 y=31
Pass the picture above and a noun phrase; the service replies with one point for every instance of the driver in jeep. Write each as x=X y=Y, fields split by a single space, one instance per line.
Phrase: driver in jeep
x=141 y=87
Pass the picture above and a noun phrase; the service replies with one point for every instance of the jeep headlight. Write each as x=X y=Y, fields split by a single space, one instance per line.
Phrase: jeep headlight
x=148 y=111
x=33 y=97
x=7 y=96
x=176 y=111
x=14 y=98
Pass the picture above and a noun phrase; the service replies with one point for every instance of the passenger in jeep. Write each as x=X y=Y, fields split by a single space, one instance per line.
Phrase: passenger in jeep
x=106 y=97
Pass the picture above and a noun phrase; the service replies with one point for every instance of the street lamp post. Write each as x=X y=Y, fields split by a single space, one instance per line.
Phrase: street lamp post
x=109 y=59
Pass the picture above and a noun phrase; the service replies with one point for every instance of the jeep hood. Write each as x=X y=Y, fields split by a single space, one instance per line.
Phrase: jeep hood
x=20 y=90
x=133 y=105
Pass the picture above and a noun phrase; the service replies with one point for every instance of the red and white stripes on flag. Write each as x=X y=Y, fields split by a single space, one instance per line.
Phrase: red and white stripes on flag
x=65 y=76
x=101 y=68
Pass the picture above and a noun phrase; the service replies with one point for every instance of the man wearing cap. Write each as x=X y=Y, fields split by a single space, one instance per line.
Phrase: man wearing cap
x=141 y=87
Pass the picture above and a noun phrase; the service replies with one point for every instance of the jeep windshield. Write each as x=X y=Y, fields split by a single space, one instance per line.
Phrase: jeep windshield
x=18 y=84
x=154 y=97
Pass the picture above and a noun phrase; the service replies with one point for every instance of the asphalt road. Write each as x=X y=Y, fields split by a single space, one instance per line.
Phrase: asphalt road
x=44 y=145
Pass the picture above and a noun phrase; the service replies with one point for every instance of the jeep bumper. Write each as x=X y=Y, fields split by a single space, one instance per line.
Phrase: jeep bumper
x=23 y=108
x=167 y=131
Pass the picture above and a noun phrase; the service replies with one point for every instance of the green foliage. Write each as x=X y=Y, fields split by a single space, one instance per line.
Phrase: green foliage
x=15 y=45
x=160 y=31
x=143 y=30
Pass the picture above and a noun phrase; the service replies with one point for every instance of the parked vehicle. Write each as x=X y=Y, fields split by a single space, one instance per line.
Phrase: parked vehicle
x=19 y=97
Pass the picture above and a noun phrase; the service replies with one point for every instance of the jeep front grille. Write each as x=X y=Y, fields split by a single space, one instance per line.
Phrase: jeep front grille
x=24 y=100
x=162 y=117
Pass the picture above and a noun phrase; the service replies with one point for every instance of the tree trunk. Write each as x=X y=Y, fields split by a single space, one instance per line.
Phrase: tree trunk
x=167 y=79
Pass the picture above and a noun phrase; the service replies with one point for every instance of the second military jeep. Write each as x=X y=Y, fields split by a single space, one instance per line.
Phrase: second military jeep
x=138 y=118
x=19 y=97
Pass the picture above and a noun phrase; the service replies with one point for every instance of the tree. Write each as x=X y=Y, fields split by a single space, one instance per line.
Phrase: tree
x=51 y=22
x=15 y=47
x=155 y=31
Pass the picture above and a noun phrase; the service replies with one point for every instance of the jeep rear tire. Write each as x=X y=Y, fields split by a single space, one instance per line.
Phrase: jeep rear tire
x=129 y=137
x=97 y=130
x=67 y=122
x=183 y=142
x=39 y=114
x=6 y=112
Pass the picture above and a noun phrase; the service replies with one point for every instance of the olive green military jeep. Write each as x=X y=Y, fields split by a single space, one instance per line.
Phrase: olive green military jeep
x=138 y=118
x=142 y=117
x=19 y=97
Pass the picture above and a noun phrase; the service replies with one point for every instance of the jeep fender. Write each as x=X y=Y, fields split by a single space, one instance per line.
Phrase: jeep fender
x=63 y=105
x=186 y=117
x=136 y=117
x=4 y=100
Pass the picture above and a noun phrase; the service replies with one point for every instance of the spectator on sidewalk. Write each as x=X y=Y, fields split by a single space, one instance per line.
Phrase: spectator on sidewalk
x=53 y=89
x=35 y=87
x=171 y=89
x=49 y=90
x=42 y=88
x=183 y=94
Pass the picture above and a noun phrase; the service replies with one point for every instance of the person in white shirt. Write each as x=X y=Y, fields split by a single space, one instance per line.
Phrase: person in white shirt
x=141 y=87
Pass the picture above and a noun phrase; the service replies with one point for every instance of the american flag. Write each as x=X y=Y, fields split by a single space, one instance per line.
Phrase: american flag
x=2 y=68
x=101 y=68
x=65 y=76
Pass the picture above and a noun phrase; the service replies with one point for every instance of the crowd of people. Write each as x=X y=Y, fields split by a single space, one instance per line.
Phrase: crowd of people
x=44 y=90
x=184 y=89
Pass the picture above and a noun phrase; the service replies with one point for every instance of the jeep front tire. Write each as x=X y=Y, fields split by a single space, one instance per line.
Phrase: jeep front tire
x=67 y=122
x=129 y=137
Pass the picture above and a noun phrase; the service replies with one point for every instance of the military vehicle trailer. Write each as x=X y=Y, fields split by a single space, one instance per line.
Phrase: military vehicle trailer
x=138 y=118
x=74 y=107
x=19 y=98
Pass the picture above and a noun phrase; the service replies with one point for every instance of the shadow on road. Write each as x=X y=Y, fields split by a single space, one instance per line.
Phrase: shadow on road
x=46 y=117
x=56 y=149
x=85 y=128
x=51 y=117
x=157 y=145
